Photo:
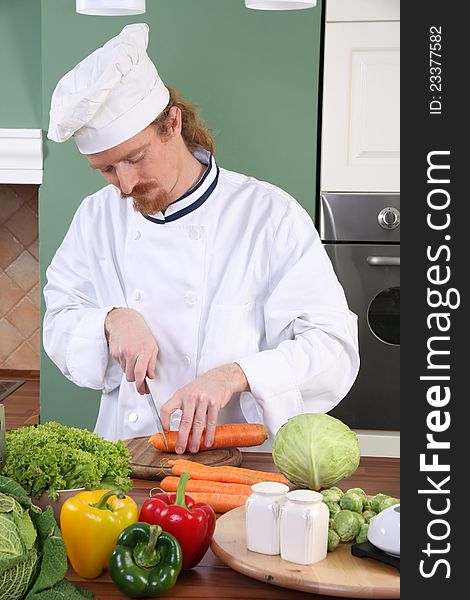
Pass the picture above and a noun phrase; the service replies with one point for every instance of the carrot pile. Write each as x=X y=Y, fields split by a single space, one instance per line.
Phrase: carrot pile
x=170 y=484
x=221 y=503
x=223 y=474
x=224 y=488
x=229 y=435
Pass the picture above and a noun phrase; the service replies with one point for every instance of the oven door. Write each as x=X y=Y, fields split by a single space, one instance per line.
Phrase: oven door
x=370 y=276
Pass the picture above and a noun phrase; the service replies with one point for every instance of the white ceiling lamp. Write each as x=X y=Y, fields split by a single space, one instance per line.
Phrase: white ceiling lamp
x=279 y=4
x=110 y=8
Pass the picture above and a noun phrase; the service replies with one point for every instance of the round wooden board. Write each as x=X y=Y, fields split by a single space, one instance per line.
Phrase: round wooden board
x=340 y=574
x=149 y=463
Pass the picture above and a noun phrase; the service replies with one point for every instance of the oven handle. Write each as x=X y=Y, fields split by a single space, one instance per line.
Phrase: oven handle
x=383 y=261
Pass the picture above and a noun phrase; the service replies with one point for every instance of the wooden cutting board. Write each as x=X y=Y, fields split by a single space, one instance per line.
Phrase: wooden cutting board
x=339 y=574
x=149 y=463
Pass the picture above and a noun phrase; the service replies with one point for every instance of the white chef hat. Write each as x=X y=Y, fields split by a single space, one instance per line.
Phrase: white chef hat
x=109 y=96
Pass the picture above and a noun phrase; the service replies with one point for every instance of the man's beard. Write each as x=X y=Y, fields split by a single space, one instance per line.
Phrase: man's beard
x=149 y=198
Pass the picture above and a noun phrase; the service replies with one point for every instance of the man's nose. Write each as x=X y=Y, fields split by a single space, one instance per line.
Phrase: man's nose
x=128 y=179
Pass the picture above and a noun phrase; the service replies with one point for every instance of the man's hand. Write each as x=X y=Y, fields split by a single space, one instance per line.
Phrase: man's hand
x=132 y=344
x=200 y=402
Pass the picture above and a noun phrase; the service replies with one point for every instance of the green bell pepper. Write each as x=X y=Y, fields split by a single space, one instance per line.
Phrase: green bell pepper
x=146 y=561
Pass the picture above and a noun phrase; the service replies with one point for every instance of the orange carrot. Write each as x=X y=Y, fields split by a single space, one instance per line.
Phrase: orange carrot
x=169 y=484
x=223 y=474
x=221 y=503
x=230 y=435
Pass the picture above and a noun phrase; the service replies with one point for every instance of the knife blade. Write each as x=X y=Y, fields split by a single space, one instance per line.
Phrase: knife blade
x=154 y=411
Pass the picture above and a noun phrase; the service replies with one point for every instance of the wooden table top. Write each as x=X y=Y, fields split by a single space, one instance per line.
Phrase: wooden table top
x=211 y=579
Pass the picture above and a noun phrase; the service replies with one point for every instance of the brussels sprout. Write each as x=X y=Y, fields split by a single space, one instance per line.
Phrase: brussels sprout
x=376 y=500
x=368 y=515
x=360 y=517
x=359 y=491
x=362 y=535
x=352 y=501
x=333 y=507
x=333 y=540
x=333 y=494
x=387 y=502
x=347 y=525
x=367 y=504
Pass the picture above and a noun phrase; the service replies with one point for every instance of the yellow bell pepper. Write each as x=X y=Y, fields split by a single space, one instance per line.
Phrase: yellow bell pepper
x=91 y=523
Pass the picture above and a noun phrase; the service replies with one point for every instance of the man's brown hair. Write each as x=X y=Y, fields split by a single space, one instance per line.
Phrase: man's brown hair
x=193 y=130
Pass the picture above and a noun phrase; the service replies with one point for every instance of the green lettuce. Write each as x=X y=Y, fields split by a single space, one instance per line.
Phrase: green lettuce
x=49 y=457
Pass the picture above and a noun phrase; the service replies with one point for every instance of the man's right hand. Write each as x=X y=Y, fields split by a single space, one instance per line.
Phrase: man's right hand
x=132 y=344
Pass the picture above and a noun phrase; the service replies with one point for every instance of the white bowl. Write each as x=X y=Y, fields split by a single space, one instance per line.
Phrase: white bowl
x=384 y=530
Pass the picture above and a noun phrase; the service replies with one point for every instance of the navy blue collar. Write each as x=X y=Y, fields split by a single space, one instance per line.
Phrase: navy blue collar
x=196 y=196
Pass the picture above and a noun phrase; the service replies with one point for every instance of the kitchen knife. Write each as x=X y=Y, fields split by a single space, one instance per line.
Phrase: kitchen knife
x=154 y=411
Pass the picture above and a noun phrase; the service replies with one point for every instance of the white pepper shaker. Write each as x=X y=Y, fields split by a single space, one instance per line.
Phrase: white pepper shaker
x=304 y=527
x=263 y=512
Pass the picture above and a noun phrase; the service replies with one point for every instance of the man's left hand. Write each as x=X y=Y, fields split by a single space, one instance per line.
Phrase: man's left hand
x=200 y=402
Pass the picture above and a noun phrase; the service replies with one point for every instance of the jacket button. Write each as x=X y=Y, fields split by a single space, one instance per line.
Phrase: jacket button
x=187 y=359
x=133 y=417
x=190 y=298
x=137 y=235
x=137 y=296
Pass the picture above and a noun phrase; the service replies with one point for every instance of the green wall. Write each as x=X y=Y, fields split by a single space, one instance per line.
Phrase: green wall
x=255 y=76
x=20 y=64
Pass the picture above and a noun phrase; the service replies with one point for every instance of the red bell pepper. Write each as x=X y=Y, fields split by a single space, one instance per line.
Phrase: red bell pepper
x=191 y=523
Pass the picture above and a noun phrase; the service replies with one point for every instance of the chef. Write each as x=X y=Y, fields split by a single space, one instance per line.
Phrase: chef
x=210 y=285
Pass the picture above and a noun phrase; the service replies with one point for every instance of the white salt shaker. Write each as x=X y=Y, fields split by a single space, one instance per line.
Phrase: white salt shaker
x=263 y=512
x=304 y=527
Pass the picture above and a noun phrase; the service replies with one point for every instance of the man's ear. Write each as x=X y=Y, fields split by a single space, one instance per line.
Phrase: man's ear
x=174 y=121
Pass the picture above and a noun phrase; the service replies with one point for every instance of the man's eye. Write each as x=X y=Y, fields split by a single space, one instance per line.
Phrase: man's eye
x=135 y=160
x=107 y=170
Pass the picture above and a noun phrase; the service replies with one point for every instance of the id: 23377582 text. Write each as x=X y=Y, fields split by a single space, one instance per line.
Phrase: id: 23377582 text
x=435 y=70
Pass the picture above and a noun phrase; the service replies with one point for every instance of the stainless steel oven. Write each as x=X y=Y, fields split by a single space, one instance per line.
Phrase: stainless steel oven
x=361 y=234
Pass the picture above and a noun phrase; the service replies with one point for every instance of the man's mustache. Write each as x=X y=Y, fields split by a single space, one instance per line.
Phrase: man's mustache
x=141 y=190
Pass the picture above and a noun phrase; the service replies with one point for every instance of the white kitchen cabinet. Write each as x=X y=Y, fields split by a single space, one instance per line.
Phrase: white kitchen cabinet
x=362 y=10
x=21 y=156
x=361 y=107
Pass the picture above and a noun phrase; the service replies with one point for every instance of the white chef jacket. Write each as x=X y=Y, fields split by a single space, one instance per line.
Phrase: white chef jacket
x=233 y=271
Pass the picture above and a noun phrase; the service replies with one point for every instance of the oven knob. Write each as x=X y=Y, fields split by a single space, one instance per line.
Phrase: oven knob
x=389 y=218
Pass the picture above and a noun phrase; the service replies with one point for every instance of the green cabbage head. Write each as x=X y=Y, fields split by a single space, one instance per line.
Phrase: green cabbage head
x=18 y=555
x=315 y=450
